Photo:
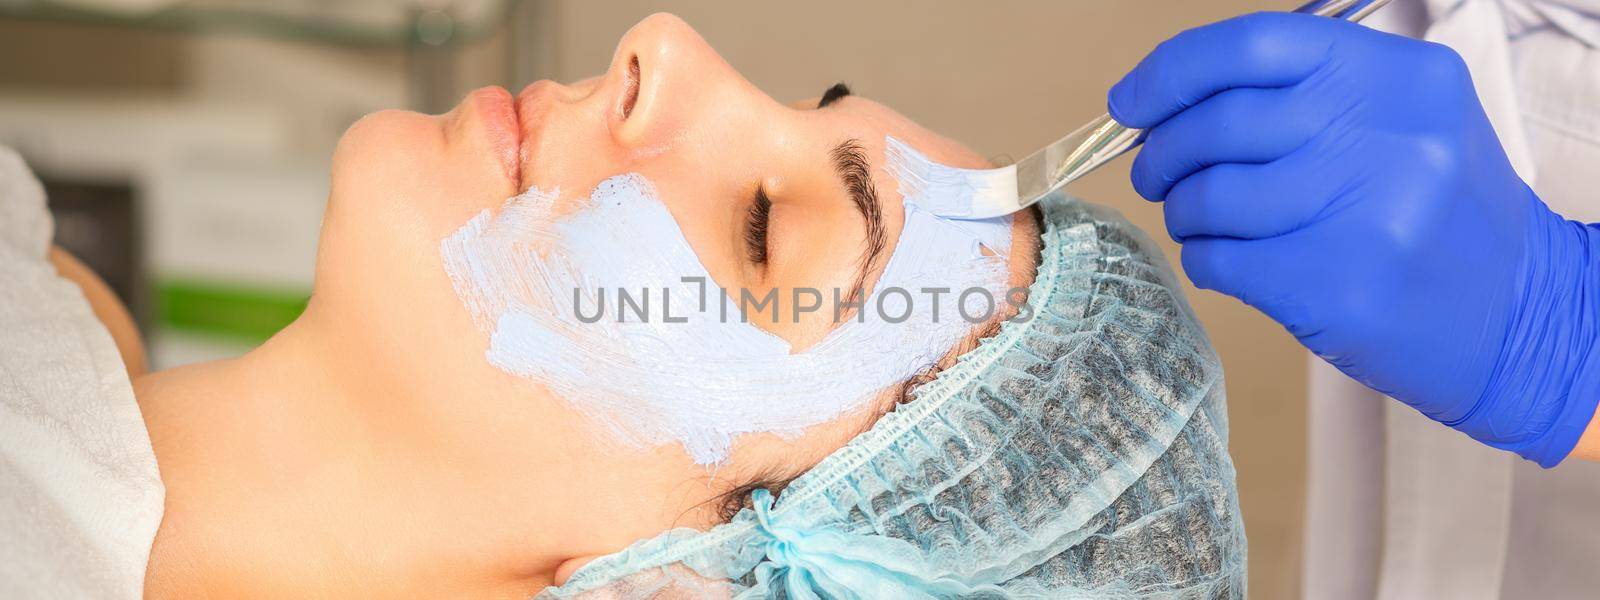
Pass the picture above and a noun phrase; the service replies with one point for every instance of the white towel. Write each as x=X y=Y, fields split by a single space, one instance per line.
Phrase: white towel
x=80 y=497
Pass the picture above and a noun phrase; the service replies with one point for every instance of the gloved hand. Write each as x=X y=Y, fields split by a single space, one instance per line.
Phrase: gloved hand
x=1348 y=184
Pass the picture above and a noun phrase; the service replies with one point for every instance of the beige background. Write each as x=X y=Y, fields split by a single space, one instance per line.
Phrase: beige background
x=1007 y=78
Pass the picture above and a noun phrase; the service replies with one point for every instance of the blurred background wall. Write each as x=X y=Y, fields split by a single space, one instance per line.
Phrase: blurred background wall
x=185 y=143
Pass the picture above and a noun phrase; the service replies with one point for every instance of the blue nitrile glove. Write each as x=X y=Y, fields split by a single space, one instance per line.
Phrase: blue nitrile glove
x=1348 y=184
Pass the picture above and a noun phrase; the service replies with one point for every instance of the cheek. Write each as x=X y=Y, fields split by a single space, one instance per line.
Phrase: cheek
x=709 y=213
x=816 y=254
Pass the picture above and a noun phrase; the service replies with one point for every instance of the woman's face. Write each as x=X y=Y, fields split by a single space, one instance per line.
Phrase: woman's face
x=727 y=161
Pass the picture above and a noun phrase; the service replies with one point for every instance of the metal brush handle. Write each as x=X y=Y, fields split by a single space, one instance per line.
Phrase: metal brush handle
x=1110 y=139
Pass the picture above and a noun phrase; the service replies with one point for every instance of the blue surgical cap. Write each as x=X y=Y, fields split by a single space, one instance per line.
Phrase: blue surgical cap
x=1081 y=453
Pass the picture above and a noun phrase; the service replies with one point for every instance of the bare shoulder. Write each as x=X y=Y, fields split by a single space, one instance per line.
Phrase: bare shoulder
x=107 y=307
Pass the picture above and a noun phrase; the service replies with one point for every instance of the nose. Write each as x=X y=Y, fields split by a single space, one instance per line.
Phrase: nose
x=669 y=75
x=664 y=96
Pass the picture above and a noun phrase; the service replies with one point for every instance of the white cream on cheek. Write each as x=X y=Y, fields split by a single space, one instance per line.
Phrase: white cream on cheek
x=694 y=373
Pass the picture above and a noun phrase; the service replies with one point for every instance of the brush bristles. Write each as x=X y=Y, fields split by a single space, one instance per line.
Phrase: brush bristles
x=951 y=192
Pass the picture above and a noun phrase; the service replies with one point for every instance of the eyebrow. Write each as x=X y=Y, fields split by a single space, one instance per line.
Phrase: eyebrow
x=834 y=94
x=850 y=164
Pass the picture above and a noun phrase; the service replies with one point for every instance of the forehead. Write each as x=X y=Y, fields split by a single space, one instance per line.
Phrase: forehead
x=870 y=113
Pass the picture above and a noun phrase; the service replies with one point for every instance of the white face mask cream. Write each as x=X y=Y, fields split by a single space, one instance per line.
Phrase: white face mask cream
x=610 y=308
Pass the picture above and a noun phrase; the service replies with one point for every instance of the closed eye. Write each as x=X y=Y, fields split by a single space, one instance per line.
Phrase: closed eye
x=757 y=221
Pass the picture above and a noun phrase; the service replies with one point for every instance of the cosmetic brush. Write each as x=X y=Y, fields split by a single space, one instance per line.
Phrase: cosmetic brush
x=988 y=193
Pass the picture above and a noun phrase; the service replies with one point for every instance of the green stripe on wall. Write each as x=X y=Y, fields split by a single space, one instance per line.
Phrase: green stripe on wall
x=241 y=312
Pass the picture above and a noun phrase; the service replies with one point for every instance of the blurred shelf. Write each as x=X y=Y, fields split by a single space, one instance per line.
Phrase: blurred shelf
x=358 y=23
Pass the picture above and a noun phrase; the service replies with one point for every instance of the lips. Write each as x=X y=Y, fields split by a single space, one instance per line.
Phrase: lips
x=498 y=112
x=534 y=106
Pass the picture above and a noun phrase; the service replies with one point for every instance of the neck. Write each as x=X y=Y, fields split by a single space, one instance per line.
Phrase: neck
x=301 y=470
